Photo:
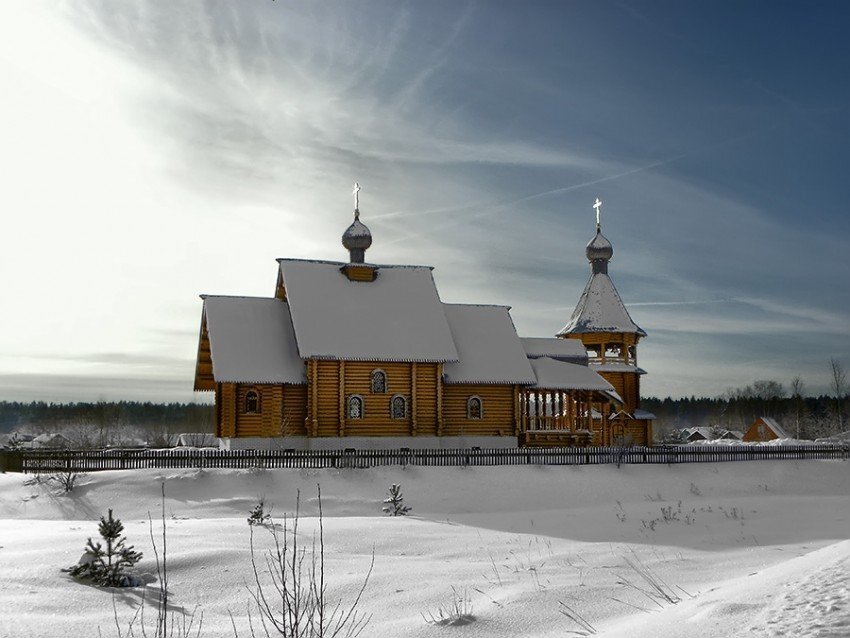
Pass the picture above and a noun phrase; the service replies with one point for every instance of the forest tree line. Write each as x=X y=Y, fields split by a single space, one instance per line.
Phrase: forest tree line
x=106 y=413
x=804 y=417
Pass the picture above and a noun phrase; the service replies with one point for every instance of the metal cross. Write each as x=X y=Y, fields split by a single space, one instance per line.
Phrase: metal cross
x=356 y=192
x=598 y=206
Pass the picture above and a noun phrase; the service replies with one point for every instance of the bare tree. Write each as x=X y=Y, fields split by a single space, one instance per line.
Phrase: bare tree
x=797 y=389
x=838 y=385
x=290 y=589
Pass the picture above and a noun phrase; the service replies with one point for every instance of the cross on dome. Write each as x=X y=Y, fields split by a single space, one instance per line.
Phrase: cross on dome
x=356 y=193
x=598 y=207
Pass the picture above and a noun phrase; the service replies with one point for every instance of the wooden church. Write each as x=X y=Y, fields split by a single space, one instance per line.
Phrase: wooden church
x=359 y=355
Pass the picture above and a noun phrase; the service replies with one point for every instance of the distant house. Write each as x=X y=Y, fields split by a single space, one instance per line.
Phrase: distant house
x=765 y=429
x=691 y=435
x=15 y=440
x=52 y=440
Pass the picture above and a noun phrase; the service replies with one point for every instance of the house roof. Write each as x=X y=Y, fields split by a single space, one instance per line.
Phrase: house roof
x=252 y=340
x=643 y=414
x=559 y=375
x=488 y=347
x=773 y=425
x=396 y=317
x=600 y=309
x=569 y=350
x=701 y=432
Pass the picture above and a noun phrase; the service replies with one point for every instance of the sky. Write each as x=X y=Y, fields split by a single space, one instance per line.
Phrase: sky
x=154 y=150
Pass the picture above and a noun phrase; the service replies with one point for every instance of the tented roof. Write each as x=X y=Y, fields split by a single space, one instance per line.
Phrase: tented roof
x=558 y=375
x=488 y=347
x=252 y=340
x=569 y=350
x=396 y=317
x=600 y=309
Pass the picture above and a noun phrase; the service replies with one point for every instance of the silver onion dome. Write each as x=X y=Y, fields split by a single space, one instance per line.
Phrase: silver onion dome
x=356 y=239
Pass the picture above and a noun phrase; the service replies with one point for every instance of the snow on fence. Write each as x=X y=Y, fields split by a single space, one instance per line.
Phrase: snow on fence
x=34 y=461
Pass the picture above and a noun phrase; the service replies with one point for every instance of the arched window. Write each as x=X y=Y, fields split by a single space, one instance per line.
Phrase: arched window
x=355 y=407
x=379 y=381
x=474 y=407
x=252 y=401
x=398 y=407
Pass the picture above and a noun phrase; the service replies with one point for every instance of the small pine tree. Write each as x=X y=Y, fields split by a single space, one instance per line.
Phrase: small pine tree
x=394 y=503
x=106 y=567
x=259 y=515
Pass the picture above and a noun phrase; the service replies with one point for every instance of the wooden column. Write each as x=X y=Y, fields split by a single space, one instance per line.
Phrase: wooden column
x=439 y=399
x=572 y=413
x=342 y=398
x=557 y=409
x=516 y=411
x=281 y=428
x=606 y=429
x=541 y=408
x=523 y=411
x=308 y=418
x=218 y=410
x=413 y=399
x=315 y=402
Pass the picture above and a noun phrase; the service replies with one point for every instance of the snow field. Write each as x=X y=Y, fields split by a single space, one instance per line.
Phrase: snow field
x=755 y=549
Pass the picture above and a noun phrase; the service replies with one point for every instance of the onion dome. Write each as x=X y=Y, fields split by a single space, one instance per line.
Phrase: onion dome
x=356 y=239
x=599 y=247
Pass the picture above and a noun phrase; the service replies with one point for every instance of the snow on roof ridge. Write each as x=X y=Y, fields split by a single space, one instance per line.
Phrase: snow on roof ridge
x=478 y=305
x=206 y=296
x=348 y=263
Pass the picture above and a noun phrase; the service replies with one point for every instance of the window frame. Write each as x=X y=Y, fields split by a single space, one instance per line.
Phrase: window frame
x=248 y=397
x=392 y=407
x=469 y=401
x=348 y=401
x=372 y=376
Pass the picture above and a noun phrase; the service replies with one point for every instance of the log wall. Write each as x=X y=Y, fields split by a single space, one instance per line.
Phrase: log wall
x=498 y=410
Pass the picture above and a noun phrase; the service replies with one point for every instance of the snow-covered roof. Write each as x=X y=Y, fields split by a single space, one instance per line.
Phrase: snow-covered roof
x=644 y=414
x=701 y=432
x=614 y=395
x=569 y=350
x=50 y=439
x=488 y=348
x=396 y=317
x=773 y=425
x=559 y=375
x=252 y=340
x=600 y=309
x=617 y=367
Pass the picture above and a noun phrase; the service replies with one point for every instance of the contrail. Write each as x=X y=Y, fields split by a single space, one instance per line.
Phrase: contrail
x=683 y=303
x=495 y=206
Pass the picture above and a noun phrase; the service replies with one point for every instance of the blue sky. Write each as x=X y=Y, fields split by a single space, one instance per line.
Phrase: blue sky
x=157 y=150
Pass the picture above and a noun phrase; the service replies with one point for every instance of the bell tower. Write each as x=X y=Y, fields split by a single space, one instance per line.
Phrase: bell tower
x=602 y=323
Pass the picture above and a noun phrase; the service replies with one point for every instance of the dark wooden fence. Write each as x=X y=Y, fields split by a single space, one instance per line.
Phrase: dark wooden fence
x=95 y=460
